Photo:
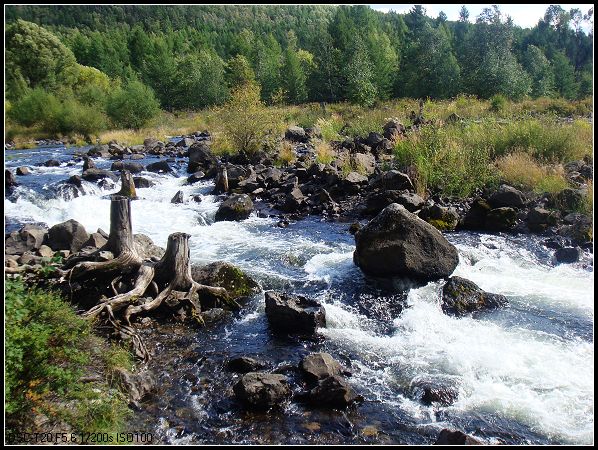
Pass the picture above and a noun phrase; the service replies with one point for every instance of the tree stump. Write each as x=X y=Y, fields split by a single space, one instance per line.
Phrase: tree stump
x=221 y=181
x=127 y=185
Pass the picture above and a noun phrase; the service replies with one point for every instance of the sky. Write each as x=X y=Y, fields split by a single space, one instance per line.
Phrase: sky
x=525 y=16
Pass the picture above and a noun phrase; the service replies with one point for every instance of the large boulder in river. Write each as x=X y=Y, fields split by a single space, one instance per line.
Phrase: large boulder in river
x=332 y=392
x=9 y=180
x=202 y=158
x=69 y=235
x=461 y=296
x=501 y=219
x=227 y=276
x=294 y=313
x=398 y=243
x=236 y=207
x=127 y=165
x=262 y=390
x=28 y=238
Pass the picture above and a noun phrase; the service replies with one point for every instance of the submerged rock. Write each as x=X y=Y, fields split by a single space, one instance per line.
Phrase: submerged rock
x=398 y=243
x=461 y=296
x=244 y=364
x=294 y=313
x=236 y=207
x=435 y=391
x=262 y=390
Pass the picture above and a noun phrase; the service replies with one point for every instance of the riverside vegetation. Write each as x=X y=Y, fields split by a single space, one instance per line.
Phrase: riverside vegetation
x=500 y=162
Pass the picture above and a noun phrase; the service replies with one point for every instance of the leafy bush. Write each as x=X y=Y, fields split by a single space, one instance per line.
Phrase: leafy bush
x=73 y=117
x=35 y=107
x=47 y=348
x=43 y=336
x=133 y=106
x=246 y=122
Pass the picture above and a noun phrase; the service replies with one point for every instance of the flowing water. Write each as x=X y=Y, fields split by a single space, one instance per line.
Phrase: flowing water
x=524 y=372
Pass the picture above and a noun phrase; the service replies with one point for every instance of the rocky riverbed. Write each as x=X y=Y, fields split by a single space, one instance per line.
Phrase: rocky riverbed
x=503 y=353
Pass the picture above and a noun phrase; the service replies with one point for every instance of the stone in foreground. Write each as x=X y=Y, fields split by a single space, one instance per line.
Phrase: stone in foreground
x=294 y=313
x=398 y=243
x=258 y=390
x=455 y=437
x=317 y=366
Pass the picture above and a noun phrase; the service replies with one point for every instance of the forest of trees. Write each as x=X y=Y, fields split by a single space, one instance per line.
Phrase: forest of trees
x=108 y=61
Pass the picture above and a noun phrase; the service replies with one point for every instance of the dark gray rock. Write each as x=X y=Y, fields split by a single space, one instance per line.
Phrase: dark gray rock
x=455 y=437
x=501 y=219
x=262 y=390
x=398 y=243
x=236 y=207
x=159 y=166
x=52 y=163
x=435 y=391
x=28 y=238
x=98 y=174
x=539 y=219
x=195 y=177
x=245 y=364
x=332 y=392
x=294 y=313
x=227 y=276
x=296 y=134
x=507 y=196
x=201 y=158
x=392 y=180
x=141 y=182
x=441 y=217
x=138 y=386
x=567 y=254
x=146 y=247
x=317 y=366
x=69 y=235
x=23 y=171
x=96 y=240
x=127 y=165
x=475 y=218
x=178 y=198
x=461 y=296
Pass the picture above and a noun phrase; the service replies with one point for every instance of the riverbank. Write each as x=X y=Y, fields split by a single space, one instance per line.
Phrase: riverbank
x=296 y=239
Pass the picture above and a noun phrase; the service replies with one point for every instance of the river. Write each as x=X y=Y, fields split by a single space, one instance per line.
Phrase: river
x=524 y=372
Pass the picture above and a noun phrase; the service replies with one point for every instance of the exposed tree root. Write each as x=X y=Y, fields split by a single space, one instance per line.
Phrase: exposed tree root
x=153 y=283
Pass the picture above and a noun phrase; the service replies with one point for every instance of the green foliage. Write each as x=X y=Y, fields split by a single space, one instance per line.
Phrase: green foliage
x=37 y=58
x=239 y=71
x=43 y=353
x=442 y=161
x=498 y=103
x=35 y=107
x=564 y=76
x=133 y=106
x=246 y=122
x=360 y=76
x=538 y=66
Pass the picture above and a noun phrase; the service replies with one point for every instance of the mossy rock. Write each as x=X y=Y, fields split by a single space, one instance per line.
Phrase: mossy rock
x=227 y=276
x=443 y=225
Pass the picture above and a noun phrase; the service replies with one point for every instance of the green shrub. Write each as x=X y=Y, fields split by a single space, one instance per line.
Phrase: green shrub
x=498 y=103
x=35 y=107
x=43 y=336
x=247 y=123
x=47 y=349
x=73 y=117
x=133 y=106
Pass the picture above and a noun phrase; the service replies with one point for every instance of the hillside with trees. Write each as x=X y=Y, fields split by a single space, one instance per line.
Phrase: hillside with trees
x=100 y=60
